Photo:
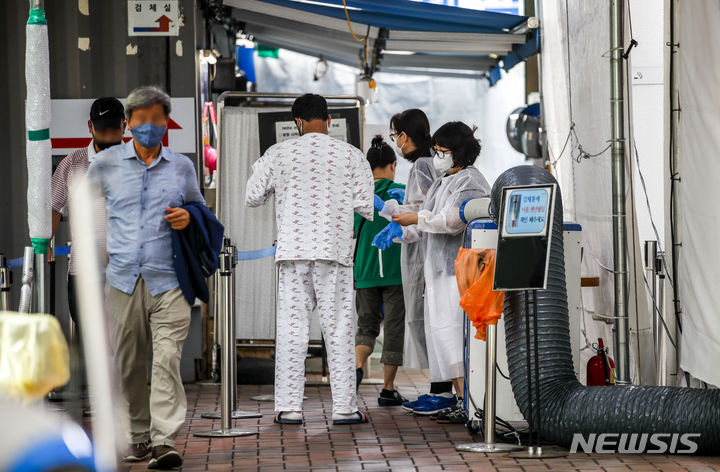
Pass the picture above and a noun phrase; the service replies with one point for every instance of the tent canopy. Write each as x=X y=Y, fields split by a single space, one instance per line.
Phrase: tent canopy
x=409 y=37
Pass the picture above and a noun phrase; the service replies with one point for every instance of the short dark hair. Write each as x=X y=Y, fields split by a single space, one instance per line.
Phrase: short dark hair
x=380 y=153
x=310 y=107
x=460 y=139
x=414 y=123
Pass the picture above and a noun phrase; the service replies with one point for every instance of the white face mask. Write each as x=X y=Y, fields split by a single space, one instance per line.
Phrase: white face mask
x=398 y=149
x=443 y=163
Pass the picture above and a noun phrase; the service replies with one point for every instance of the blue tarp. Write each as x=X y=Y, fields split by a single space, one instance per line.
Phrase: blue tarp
x=410 y=16
x=407 y=15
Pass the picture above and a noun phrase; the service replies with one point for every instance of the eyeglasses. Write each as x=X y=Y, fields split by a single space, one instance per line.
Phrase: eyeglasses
x=393 y=136
x=438 y=153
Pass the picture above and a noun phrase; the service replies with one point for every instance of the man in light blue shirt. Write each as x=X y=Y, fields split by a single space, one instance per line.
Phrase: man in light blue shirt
x=144 y=185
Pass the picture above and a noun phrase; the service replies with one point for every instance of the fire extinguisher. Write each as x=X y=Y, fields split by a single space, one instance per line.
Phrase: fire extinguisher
x=601 y=367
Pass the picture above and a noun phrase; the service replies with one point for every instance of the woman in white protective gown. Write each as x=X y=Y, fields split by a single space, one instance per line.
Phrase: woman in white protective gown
x=438 y=223
x=410 y=130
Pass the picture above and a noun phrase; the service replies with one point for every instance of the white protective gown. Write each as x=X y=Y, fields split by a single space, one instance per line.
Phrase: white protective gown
x=412 y=260
x=441 y=228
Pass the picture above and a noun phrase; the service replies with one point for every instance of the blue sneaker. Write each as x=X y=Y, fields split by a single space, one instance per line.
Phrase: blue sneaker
x=410 y=406
x=434 y=404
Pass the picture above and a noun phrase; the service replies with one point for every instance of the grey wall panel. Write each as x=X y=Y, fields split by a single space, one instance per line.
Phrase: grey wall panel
x=105 y=68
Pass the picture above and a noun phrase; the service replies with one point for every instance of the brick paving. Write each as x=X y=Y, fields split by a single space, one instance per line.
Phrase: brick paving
x=393 y=440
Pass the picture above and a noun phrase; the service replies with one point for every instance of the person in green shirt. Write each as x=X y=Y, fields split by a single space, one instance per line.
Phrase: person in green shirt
x=378 y=283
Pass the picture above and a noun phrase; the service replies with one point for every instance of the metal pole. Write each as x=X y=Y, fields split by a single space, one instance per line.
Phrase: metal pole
x=534 y=421
x=51 y=265
x=227 y=342
x=650 y=275
x=490 y=390
x=617 y=100
x=228 y=293
x=231 y=326
x=39 y=299
x=227 y=361
x=661 y=372
x=536 y=358
x=531 y=416
x=543 y=129
x=214 y=374
x=26 y=291
x=489 y=445
x=674 y=156
x=5 y=284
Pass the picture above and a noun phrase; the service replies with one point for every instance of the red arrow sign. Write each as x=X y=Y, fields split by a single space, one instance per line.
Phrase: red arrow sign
x=171 y=125
x=72 y=143
x=164 y=24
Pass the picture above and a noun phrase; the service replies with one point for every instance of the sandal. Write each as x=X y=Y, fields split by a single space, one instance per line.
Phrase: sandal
x=280 y=419
x=356 y=418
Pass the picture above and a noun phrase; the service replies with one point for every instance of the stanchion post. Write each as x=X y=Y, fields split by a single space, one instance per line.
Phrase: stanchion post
x=227 y=361
x=39 y=294
x=489 y=445
x=536 y=357
x=231 y=324
x=651 y=276
x=51 y=270
x=214 y=364
x=534 y=451
x=661 y=373
x=228 y=292
x=5 y=284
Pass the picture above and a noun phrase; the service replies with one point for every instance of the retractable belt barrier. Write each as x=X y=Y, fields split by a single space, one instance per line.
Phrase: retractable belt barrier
x=241 y=255
x=18 y=262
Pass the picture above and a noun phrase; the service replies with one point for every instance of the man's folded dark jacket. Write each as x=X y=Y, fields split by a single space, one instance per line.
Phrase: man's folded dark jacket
x=195 y=251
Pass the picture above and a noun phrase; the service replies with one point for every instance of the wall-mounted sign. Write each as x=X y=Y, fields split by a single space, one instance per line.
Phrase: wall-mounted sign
x=285 y=130
x=153 y=18
x=69 y=128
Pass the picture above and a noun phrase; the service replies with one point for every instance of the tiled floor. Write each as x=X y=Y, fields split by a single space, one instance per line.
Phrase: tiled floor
x=393 y=440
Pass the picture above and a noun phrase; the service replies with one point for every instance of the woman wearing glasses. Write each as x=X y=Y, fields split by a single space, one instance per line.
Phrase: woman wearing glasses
x=410 y=130
x=438 y=223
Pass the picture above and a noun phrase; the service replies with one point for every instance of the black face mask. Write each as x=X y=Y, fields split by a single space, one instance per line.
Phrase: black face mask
x=103 y=146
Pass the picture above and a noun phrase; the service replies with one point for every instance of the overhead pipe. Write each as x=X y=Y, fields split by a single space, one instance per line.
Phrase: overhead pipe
x=568 y=407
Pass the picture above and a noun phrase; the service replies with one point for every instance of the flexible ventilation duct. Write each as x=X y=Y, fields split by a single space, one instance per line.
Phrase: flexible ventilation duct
x=567 y=406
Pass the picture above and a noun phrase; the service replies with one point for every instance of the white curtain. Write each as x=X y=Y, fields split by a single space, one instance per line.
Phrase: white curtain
x=699 y=167
x=249 y=228
x=576 y=97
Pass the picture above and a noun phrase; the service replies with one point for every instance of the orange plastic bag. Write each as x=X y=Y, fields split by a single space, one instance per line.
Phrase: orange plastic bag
x=475 y=270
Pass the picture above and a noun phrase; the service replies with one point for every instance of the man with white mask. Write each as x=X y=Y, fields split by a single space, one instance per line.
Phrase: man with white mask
x=319 y=184
x=439 y=222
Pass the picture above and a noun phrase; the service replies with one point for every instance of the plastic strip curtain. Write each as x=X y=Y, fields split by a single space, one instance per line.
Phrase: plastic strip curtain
x=37 y=122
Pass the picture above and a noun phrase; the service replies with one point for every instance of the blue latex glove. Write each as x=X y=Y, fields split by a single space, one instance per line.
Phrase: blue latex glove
x=379 y=203
x=397 y=193
x=384 y=238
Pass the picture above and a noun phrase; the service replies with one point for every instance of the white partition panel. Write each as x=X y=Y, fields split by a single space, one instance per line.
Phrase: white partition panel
x=249 y=228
